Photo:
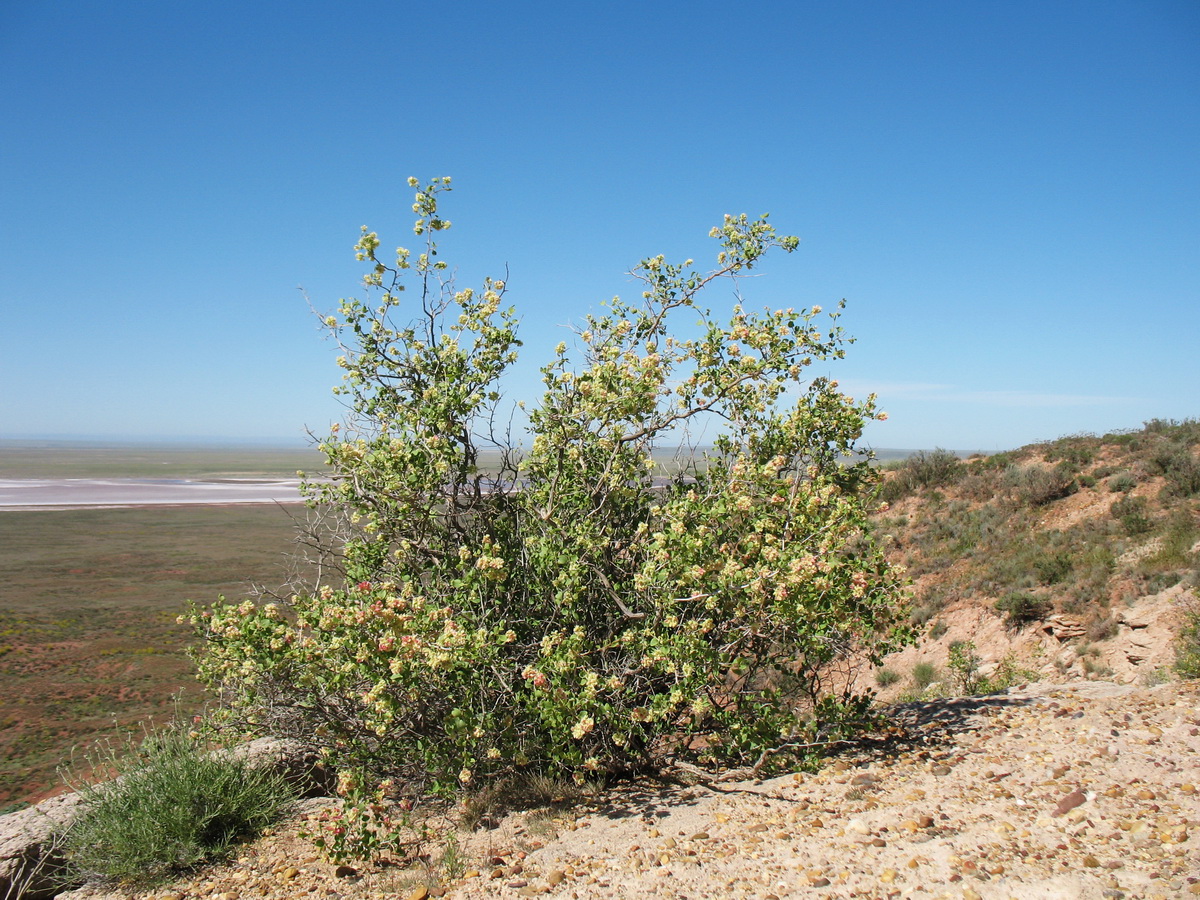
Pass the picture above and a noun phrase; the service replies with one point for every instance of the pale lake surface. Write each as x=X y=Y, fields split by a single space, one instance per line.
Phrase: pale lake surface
x=72 y=493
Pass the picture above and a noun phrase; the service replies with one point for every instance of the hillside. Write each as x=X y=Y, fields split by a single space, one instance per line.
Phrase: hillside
x=1075 y=558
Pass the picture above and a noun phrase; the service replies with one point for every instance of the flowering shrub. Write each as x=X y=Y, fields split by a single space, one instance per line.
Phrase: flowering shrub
x=573 y=606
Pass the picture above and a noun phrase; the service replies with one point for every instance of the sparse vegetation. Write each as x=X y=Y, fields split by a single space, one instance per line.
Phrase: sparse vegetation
x=88 y=607
x=997 y=532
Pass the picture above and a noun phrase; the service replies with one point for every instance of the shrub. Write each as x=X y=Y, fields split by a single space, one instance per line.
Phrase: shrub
x=574 y=608
x=178 y=800
x=1183 y=474
x=1175 y=553
x=924 y=674
x=1054 y=567
x=1122 y=483
x=885 y=677
x=1076 y=451
x=1187 y=642
x=1131 y=512
x=964 y=666
x=1101 y=628
x=1036 y=486
x=1020 y=608
x=933 y=469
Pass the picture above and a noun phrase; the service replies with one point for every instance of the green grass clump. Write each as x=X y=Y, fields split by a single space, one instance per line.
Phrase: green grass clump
x=886 y=677
x=177 y=801
x=924 y=674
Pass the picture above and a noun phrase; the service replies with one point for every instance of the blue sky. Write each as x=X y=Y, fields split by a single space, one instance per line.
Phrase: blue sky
x=1007 y=194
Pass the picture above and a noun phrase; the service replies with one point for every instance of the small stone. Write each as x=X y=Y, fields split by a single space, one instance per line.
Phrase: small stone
x=1069 y=802
x=925 y=822
x=556 y=876
x=699 y=836
x=1090 y=862
x=757 y=829
x=940 y=770
x=971 y=894
x=345 y=872
x=419 y=893
x=887 y=876
x=815 y=881
x=289 y=873
x=858 y=826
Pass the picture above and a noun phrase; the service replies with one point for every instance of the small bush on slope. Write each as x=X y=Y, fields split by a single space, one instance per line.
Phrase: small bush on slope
x=178 y=801
x=1187 y=647
x=578 y=611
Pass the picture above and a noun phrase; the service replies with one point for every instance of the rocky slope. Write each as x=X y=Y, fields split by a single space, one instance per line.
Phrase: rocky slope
x=1079 y=790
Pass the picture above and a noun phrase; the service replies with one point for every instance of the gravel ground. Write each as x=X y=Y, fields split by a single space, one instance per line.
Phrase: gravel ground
x=1085 y=790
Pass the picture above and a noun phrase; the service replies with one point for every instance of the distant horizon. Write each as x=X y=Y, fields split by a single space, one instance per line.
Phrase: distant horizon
x=225 y=442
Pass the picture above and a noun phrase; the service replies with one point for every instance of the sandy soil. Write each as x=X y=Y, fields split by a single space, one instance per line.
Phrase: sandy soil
x=1083 y=790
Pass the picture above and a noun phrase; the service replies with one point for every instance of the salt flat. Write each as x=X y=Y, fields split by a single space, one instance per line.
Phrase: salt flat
x=72 y=493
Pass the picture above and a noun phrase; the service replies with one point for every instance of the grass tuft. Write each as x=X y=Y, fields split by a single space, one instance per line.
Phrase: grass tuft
x=177 y=801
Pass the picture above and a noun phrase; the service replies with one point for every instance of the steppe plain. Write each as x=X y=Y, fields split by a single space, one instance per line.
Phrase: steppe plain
x=1078 y=781
x=89 y=596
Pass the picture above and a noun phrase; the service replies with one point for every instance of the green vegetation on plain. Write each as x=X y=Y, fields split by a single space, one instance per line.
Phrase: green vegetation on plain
x=88 y=606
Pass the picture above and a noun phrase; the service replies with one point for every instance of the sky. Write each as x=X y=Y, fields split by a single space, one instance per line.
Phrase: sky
x=1006 y=194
